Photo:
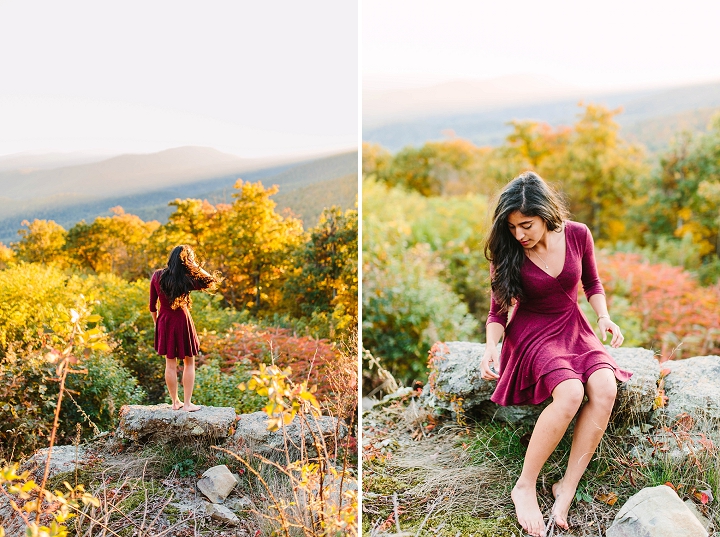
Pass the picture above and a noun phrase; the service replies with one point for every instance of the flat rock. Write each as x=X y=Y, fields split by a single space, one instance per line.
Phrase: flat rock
x=62 y=459
x=217 y=483
x=693 y=387
x=162 y=424
x=455 y=382
x=655 y=512
x=222 y=514
x=252 y=435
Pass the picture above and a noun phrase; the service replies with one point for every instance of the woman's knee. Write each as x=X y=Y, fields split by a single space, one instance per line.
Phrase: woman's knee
x=601 y=388
x=568 y=396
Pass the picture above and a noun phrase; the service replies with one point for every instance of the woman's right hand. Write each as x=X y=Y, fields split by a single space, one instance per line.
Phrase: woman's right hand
x=490 y=363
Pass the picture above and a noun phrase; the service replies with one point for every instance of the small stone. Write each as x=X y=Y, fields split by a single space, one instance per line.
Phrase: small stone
x=222 y=514
x=239 y=504
x=655 y=512
x=704 y=521
x=216 y=483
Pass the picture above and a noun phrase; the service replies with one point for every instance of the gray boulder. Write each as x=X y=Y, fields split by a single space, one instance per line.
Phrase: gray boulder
x=655 y=512
x=162 y=424
x=252 y=435
x=693 y=387
x=455 y=382
x=217 y=483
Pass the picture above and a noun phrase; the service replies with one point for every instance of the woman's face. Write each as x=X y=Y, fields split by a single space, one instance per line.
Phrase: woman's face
x=528 y=230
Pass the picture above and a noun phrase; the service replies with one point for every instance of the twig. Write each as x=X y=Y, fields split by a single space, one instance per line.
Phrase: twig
x=395 y=509
x=430 y=511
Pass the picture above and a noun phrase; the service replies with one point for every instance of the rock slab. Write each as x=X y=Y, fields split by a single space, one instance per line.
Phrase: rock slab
x=251 y=434
x=655 y=512
x=455 y=382
x=217 y=483
x=162 y=424
x=693 y=387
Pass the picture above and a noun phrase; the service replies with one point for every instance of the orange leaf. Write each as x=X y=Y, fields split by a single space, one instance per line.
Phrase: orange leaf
x=668 y=484
x=610 y=498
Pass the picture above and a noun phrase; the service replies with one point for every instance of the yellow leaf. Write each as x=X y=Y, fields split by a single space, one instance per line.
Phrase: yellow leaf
x=95 y=318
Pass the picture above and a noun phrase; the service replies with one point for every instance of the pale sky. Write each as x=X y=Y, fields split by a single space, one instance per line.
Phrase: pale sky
x=597 y=45
x=245 y=77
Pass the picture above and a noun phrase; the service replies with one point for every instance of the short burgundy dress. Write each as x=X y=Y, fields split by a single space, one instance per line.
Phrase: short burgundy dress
x=549 y=339
x=175 y=335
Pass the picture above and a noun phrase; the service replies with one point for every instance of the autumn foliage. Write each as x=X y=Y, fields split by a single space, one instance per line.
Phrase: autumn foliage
x=672 y=313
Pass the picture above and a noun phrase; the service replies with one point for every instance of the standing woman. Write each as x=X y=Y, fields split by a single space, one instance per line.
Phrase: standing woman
x=538 y=257
x=175 y=335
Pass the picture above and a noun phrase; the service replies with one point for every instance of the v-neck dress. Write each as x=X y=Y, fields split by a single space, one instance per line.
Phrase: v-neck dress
x=175 y=334
x=548 y=338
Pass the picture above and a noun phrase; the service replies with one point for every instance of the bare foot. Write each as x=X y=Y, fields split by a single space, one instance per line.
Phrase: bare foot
x=563 y=498
x=189 y=407
x=527 y=509
x=177 y=405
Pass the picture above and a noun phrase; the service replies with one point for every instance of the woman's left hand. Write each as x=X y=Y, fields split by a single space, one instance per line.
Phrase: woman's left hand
x=606 y=325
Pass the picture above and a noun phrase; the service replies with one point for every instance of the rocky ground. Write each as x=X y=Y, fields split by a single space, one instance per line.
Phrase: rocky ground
x=161 y=474
x=425 y=474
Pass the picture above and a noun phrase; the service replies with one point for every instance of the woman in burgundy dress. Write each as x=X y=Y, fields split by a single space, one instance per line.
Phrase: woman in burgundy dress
x=175 y=335
x=538 y=258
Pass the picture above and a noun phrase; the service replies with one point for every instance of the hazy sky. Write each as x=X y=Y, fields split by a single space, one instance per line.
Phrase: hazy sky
x=600 y=45
x=250 y=78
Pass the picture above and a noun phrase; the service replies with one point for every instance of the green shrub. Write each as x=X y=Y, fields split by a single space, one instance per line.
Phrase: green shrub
x=213 y=387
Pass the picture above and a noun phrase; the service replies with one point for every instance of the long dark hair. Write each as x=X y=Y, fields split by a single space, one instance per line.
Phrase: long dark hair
x=532 y=196
x=182 y=275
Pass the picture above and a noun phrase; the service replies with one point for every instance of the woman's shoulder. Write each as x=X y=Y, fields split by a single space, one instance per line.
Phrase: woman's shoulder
x=156 y=274
x=577 y=229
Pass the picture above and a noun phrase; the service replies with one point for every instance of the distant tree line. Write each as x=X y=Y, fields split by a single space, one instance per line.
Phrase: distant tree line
x=270 y=264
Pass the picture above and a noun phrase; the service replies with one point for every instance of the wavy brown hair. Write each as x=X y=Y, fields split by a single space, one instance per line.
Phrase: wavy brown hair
x=183 y=275
x=532 y=196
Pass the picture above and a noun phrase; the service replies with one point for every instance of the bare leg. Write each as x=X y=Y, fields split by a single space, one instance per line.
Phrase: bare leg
x=592 y=421
x=548 y=431
x=172 y=381
x=189 y=383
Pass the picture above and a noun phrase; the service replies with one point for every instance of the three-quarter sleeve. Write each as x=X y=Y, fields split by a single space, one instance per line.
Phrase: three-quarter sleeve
x=590 y=279
x=496 y=315
x=153 y=294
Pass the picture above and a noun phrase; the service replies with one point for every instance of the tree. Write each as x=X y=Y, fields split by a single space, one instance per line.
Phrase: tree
x=251 y=244
x=684 y=194
x=325 y=280
x=118 y=244
x=41 y=242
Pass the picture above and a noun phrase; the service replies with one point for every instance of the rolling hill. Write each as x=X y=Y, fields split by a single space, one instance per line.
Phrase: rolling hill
x=144 y=184
x=650 y=117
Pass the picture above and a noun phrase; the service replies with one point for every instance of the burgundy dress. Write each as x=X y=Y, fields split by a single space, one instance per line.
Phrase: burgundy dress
x=175 y=335
x=549 y=339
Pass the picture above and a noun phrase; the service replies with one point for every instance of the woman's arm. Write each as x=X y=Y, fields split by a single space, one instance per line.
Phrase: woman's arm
x=595 y=294
x=153 y=299
x=599 y=304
